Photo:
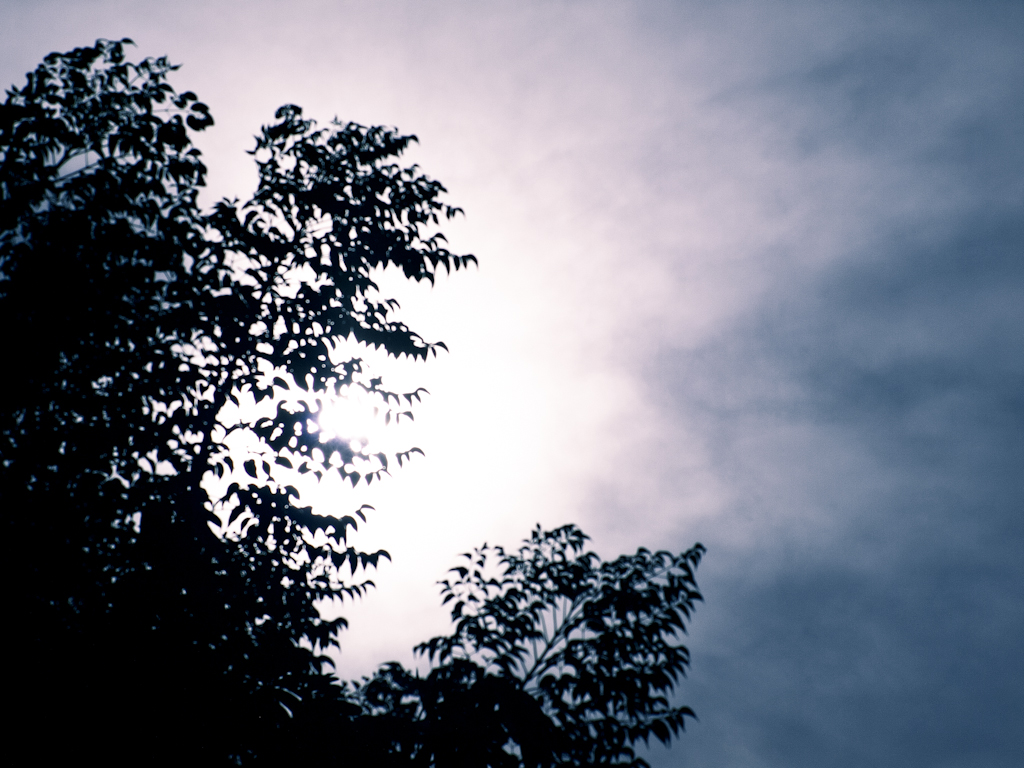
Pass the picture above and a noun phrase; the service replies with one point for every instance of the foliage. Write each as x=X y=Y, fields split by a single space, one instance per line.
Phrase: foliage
x=136 y=319
x=592 y=646
x=164 y=583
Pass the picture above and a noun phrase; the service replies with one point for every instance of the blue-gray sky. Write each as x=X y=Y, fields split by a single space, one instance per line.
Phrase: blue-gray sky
x=751 y=274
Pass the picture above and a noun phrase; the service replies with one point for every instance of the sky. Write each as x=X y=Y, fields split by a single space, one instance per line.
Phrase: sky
x=751 y=274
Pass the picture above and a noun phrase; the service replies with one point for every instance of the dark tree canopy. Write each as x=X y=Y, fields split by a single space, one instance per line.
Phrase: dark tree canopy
x=150 y=622
x=580 y=654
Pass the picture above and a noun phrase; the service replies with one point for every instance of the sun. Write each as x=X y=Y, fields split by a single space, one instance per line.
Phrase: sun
x=353 y=418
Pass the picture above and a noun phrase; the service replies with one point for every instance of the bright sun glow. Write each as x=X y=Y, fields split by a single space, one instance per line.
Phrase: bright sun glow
x=352 y=418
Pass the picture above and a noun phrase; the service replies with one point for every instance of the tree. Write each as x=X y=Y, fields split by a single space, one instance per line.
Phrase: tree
x=136 y=319
x=152 y=620
x=578 y=657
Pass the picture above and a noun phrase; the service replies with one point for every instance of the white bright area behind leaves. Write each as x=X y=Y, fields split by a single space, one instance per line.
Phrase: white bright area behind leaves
x=534 y=125
x=613 y=205
x=534 y=122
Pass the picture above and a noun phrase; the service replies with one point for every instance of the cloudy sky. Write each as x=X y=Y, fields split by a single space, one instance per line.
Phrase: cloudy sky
x=750 y=274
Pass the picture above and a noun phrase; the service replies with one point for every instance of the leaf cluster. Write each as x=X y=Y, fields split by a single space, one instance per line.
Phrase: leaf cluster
x=573 y=659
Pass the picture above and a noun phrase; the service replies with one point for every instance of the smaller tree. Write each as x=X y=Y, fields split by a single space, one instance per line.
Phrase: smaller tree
x=557 y=658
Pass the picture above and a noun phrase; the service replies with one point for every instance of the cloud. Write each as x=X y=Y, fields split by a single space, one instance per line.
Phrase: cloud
x=866 y=412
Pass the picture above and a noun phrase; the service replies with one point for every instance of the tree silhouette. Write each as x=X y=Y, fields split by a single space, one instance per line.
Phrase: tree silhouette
x=153 y=619
x=579 y=656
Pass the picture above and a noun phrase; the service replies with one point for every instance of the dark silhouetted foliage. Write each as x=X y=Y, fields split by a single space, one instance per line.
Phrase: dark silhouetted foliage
x=150 y=622
x=133 y=320
x=594 y=644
